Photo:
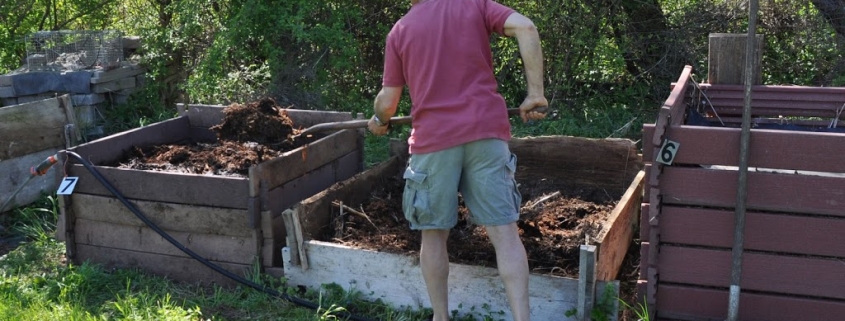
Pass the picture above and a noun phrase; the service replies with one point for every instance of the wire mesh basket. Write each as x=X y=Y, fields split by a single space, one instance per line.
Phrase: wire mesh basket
x=73 y=50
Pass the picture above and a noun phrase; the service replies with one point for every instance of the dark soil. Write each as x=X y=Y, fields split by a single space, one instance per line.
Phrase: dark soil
x=249 y=134
x=551 y=231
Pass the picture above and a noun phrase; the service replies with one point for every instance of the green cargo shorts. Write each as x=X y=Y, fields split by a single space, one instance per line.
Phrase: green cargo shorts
x=482 y=171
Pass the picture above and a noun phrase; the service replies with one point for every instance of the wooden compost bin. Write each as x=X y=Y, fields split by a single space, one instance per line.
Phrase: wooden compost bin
x=611 y=164
x=793 y=267
x=231 y=221
x=29 y=133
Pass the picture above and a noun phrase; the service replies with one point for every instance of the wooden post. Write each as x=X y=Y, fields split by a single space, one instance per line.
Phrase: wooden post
x=586 y=282
x=727 y=59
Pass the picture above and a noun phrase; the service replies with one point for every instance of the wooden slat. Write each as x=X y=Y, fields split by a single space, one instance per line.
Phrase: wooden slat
x=644 y=226
x=297 y=162
x=308 y=184
x=610 y=164
x=760 y=272
x=203 y=190
x=763 y=232
x=671 y=107
x=586 y=281
x=796 y=150
x=15 y=171
x=397 y=279
x=687 y=303
x=618 y=231
x=111 y=148
x=31 y=127
x=173 y=267
x=766 y=191
x=171 y=217
x=316 y=210
x=143 y=239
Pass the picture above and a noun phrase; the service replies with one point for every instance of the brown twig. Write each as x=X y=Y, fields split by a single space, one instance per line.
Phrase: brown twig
x=541 y=200
x=354 y=211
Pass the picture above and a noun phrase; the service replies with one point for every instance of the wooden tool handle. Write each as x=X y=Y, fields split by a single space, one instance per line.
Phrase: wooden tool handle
x=362 y=123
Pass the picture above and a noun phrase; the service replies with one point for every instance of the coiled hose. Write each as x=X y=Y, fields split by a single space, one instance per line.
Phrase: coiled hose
x=235 y=277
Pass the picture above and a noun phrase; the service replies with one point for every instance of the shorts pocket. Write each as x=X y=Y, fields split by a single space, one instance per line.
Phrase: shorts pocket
x=511 y=173
x=415 y=198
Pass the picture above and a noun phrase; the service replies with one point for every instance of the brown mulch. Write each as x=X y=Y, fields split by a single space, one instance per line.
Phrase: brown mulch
x=552 y=231
x=249 y=134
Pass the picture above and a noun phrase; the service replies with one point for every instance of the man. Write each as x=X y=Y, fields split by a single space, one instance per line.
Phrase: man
x=440 y=49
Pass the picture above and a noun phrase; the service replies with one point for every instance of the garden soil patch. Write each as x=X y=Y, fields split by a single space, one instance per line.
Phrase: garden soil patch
x=249 y=134
x=552 y=231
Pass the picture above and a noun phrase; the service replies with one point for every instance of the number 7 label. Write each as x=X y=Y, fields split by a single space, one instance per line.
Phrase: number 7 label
x=67 y=185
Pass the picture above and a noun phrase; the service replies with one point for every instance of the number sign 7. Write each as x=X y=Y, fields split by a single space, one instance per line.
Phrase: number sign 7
x=67 y=185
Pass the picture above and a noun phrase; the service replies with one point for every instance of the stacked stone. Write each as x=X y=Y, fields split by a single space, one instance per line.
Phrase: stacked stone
x=104 y=88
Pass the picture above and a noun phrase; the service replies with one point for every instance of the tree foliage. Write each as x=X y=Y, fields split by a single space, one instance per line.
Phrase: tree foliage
x=599 y=55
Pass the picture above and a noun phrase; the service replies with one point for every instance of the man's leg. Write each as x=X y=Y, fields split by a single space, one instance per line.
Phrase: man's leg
x=434 y=261
x=513 y=267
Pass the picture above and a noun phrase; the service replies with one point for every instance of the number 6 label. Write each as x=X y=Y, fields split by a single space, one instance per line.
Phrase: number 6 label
x=667 y=152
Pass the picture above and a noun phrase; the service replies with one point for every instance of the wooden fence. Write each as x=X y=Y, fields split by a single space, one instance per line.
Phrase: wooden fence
x=794 y=260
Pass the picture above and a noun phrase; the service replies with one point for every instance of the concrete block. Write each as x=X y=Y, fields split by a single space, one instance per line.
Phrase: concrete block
x=118 y=99
x=31 y=98
x=8 y=101
x=101 y=77
x=5 y=80
x=87 y=99
x=115 y=85
x=7 y=92
x=86 y=116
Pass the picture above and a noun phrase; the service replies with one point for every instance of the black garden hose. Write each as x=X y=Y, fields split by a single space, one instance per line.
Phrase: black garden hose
x=239 y=279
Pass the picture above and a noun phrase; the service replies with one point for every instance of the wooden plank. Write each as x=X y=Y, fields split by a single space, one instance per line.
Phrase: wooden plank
x=796 y=150
x=689 y=303
x=111 y=149
x=586 y=282
x=311 y=183
x=764 y=90
x=671 y=105
x=15 y=171
x=190 y=189
x=171 y=217
x=618 y=231
x=294 y=163
x=610 y=164
x=644 y=226
x=173 y=267
x=73 y=135
x=727 y=59
x=290 y=240
x=760 y=272
x=31 y=127
x=315 y=211
x=803 y=235
x=717 y=188
x=397 y=280
x=212 y=247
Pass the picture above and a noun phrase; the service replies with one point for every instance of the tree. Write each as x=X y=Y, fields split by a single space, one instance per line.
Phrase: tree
x=834 y=12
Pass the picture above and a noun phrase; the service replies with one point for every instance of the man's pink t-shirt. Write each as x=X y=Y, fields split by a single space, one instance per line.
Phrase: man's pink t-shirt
x=441 y=50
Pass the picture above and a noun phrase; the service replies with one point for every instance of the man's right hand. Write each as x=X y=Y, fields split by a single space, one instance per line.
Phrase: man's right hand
x=526 y=108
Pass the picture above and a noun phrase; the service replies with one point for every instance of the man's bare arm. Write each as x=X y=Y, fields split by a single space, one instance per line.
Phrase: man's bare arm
x=526 y=35
x=384 y=107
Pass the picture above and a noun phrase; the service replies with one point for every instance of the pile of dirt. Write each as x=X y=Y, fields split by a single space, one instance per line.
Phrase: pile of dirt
x=555 y=220
x=249 y=134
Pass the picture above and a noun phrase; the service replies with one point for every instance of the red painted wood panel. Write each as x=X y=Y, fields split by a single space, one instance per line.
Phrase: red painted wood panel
x=763 y=232
x=780 y=149
x=687 y=303
x=766 y=191
x=760 y=272
x=644 y=226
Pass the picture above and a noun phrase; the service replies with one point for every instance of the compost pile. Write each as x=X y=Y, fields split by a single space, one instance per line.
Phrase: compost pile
x=249 y=134
x=554 y=222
